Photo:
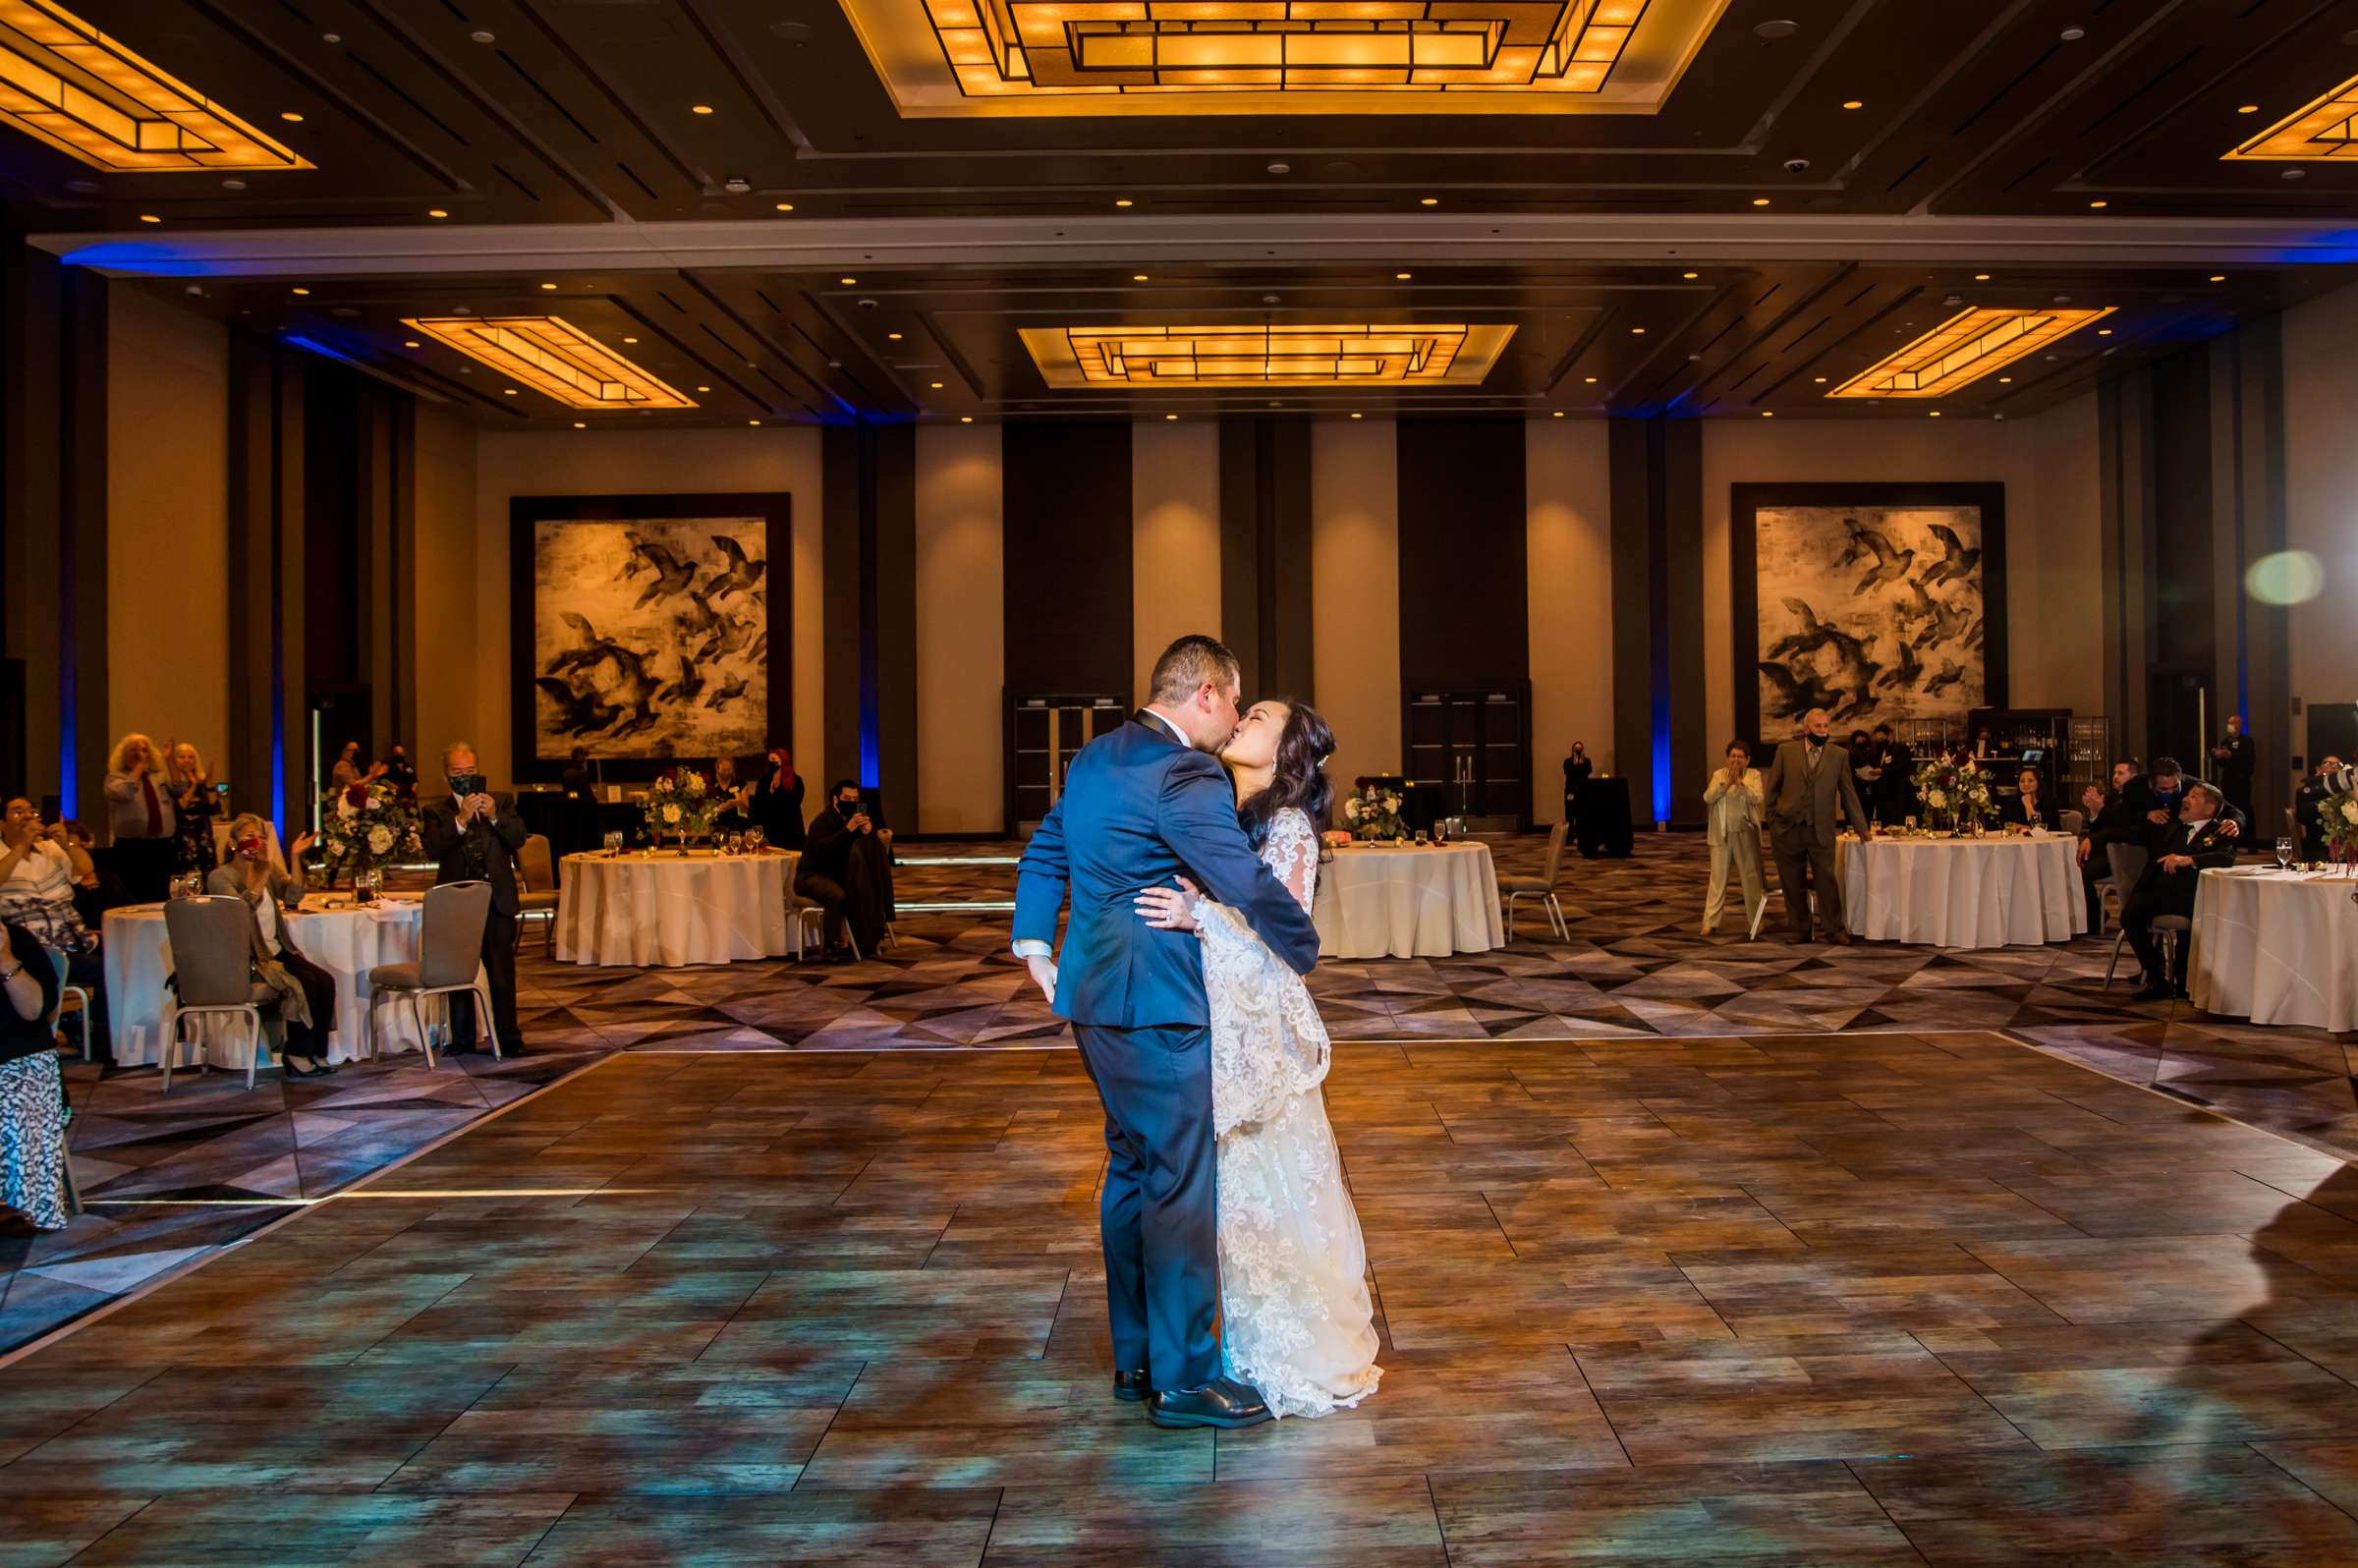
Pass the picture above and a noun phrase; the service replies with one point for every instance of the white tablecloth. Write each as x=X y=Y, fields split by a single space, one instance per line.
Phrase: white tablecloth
x=667 y=908
x=2277 y=947
x=1408 y=902
x=344 y=941
x=2000 y=891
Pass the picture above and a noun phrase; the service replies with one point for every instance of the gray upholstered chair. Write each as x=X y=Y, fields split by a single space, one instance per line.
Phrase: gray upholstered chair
x=538 y=893
x=450 y=955
x=68 y=991
x=2071 y=821
x=2128 y=865
x=1541 y=887
x=212 y=973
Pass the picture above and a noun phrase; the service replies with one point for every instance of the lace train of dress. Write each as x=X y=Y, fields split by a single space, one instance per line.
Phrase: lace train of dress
x=1296 y=1319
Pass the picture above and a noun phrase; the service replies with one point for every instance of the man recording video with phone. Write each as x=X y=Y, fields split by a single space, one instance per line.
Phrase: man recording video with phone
x=474 y=834
x=846 y=868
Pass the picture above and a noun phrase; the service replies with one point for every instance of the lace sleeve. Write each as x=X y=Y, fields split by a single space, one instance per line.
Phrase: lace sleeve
x=1292 y=852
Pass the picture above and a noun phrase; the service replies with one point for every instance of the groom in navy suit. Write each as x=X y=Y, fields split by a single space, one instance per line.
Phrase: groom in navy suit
x=1141 y=807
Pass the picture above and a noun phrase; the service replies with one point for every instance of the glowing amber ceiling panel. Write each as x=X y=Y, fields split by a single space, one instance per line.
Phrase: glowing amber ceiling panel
x=553 y=357
x=1165 y=57
x=1962 y=350
x=65 y=82
x=2321 y=131
x=1359 y=355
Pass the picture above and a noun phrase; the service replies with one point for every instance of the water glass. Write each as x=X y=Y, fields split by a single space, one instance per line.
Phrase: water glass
x=1420 y=838
x=1909 y=822
x=2284 y=849
x=364 y=885
x=736 y=842
x=613 y=843
x=756 y=841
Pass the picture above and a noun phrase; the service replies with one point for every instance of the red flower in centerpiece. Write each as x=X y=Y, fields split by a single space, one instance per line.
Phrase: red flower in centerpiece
x=357 y=794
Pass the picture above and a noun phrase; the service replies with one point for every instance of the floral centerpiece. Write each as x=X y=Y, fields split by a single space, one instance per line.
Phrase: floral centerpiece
x=365 y=826
x=2339 y=819
x=1954 y=789
x=681 y=805
x=1372 y=815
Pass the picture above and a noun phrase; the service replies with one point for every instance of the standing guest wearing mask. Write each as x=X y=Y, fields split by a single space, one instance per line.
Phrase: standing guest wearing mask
x=732 y=817
x=44 y=875
x=195 y=805
x=776 y=806
x=474 y=835
x=398 y=771
x=1809 y=779
x=2233 y=760
x=1733 y=801
x=1577 y=771
x=147 y=833
x=1888 y=778
x=306 y=993
x=847 y=868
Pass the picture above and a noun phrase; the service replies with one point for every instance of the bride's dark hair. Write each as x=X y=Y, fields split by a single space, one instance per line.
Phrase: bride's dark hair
x=1299 y=776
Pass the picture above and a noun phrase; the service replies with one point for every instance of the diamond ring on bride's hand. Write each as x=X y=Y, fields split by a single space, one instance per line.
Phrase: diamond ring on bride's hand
x=1170 y=909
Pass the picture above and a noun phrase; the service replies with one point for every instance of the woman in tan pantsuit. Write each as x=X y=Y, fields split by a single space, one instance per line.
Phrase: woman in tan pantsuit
x=1732 y=802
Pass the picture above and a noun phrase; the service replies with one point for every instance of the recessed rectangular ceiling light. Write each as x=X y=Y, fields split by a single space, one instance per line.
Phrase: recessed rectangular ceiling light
x=553 y=357
x=65 y=82
x=1422 y=354
x=1164 y=57
x=2321 y=131
x=1962 y=350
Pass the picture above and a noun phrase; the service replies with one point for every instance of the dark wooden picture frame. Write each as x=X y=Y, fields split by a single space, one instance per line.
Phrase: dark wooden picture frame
x=524 y=512
x=1745 y=503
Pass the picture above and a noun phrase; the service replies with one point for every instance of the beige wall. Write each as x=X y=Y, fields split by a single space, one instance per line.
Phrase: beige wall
x=1355 y=592
x=1570 y=542
x=651 y=462
x=2321 y=484
x=447 y=635
x=2054 y=640
x=167 y=546
x=1174 y=537
x=961 y=641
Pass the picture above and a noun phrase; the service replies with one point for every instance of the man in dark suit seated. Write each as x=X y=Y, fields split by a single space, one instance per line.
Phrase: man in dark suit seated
x=2177 y=854
x=474 y=835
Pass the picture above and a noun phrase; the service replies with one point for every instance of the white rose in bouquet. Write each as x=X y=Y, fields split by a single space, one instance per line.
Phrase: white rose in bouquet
x=1391 y=803
x=2349 y=810
x=671 y=813
x=380 y=841
x=1938 y=799
x=1350 y=809
x=344 y=805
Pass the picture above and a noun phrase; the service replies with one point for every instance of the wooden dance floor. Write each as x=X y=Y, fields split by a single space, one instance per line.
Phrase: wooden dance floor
x=1870 y=1298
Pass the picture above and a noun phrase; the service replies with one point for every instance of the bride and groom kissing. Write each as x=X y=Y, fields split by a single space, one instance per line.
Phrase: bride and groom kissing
x=1234 y=1265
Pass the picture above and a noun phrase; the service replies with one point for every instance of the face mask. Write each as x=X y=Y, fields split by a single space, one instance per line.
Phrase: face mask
x=1816 y=740
x=465 y=784
x=249 y=848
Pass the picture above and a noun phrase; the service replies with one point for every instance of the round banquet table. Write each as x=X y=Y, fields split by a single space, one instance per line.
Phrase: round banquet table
x=2275 y=947
x=2004 y=890
x=329 y=930
x=666 y=909
x=1385 y=900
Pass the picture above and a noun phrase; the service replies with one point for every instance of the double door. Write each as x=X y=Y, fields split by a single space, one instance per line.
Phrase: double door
x=1045 y=733
x=1470 y=748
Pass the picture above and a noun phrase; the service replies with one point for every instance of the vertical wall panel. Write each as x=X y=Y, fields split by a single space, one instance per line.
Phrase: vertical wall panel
x=1464 y=563
x=1177 y=567
x=961 y=637
x=1067 y=582
x=1355 y=564
x=1571 y=604
x=1265 y=600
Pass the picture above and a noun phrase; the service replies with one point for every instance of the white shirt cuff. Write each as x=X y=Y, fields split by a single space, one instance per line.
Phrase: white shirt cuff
x=1033 y=947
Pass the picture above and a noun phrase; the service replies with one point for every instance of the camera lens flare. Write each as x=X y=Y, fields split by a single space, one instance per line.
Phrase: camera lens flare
x=2285 y=577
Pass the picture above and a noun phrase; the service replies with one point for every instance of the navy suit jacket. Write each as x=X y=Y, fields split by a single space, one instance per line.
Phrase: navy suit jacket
x=1138 y=810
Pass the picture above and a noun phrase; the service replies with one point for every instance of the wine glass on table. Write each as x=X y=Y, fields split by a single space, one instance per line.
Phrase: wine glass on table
x=2284 y=849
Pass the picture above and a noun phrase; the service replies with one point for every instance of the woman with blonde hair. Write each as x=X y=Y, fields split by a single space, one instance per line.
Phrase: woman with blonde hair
x=146 y=829
x=306 y=993
x=193 y=808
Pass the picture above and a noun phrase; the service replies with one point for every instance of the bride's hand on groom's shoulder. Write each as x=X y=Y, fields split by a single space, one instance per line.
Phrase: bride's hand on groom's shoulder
x=1170 y=909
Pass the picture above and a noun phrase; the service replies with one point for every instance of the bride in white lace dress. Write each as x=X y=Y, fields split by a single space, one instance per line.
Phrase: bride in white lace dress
x=1295 y=1315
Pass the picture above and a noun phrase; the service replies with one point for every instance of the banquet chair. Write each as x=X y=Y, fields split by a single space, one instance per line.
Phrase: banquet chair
x=2071 y=821
x=2128 y=865
x=804 y=918
x=450 y=952
x=1541 y=887
x=1761 y=914
x=212 y=975
x=70 y=992
x=539 y=894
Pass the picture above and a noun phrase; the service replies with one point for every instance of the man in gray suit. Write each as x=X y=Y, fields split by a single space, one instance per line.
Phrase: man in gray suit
x=1810 y=774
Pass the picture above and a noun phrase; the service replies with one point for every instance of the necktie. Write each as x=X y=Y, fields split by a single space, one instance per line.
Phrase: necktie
x=156 y=808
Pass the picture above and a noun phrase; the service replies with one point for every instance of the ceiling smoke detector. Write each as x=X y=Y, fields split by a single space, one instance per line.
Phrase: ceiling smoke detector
x=736 y=187
x=1775 y=31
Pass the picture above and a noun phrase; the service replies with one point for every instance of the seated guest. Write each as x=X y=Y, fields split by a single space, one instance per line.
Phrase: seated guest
x=146 y=831
x=474 y=835
x=306 y=993
x=1887 y=777
x=399 y=771
x=2112 y=817
x=846 y=868
x=195 y=805
x=579 y=781
x=2027 y=810
x=40 y=874
x=776 y=802
x=2179 y=852
x=32 y=1101
x=95 y=888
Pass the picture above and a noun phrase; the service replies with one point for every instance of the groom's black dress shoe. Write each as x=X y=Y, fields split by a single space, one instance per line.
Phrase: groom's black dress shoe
x=1223 y=1402
x=1130 y=1387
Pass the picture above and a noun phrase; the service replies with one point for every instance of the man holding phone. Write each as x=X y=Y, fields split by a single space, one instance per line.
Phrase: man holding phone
x=846 y=868
x=474 y=835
